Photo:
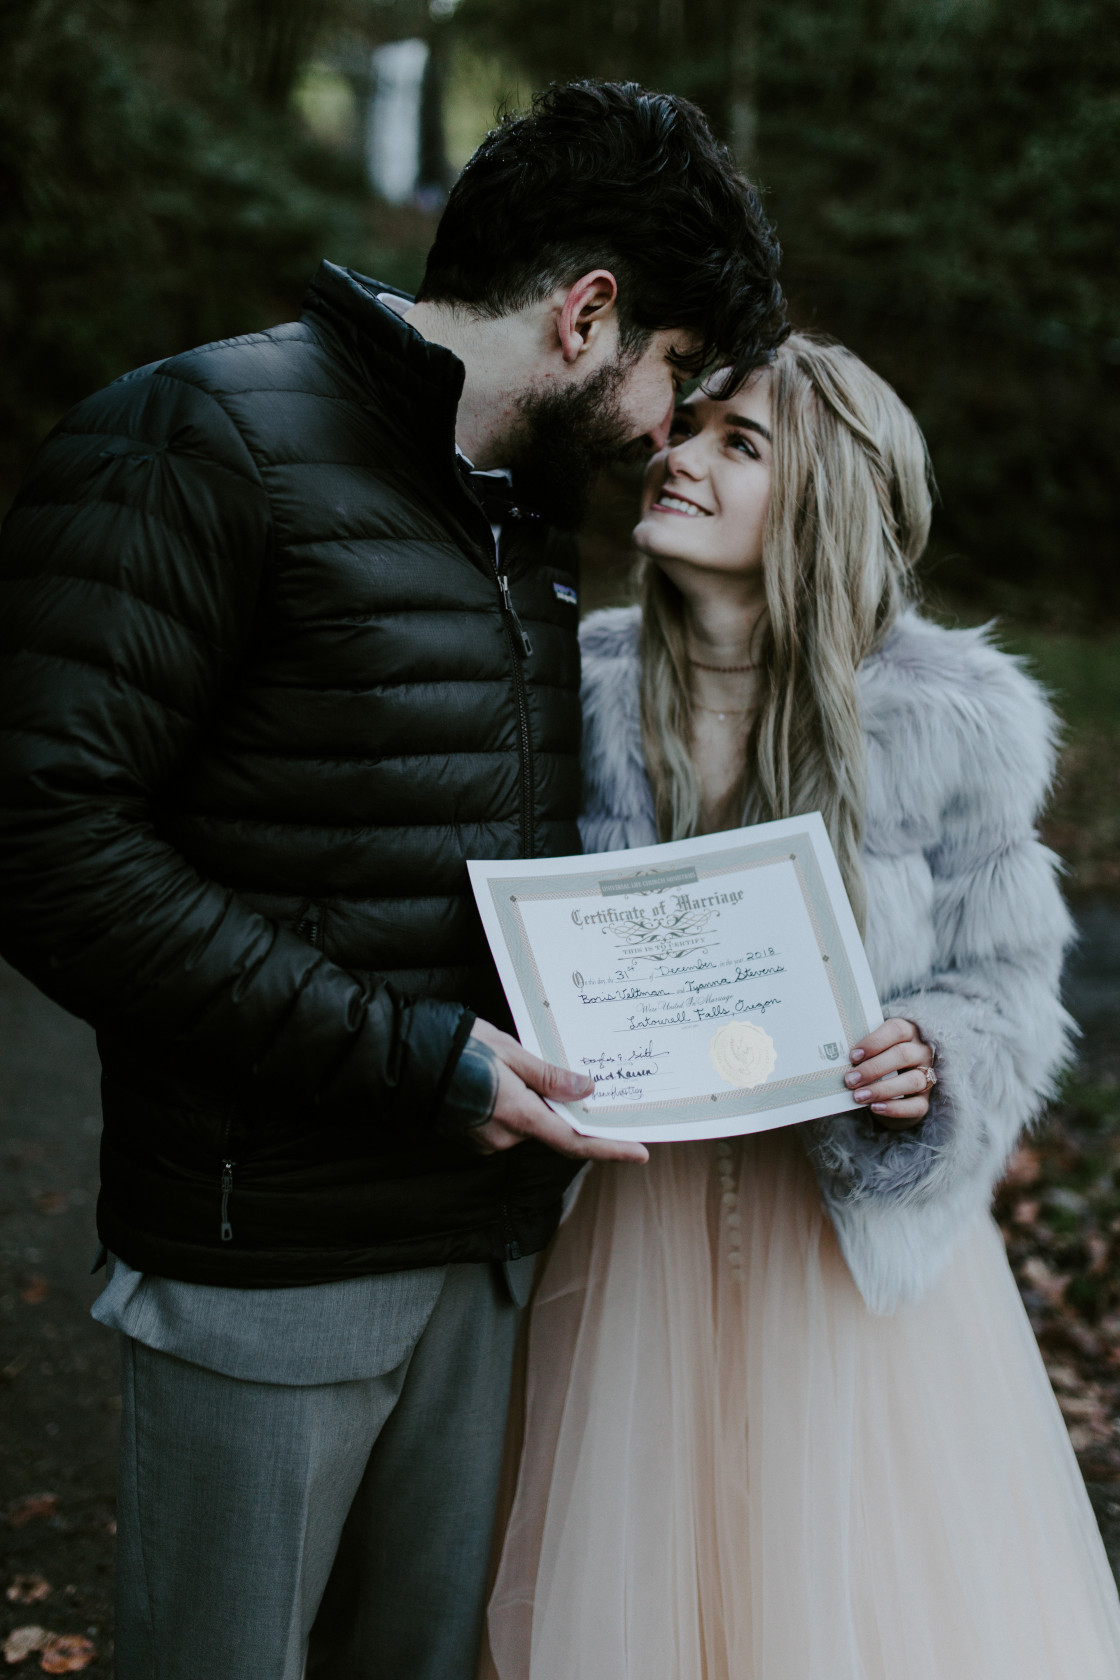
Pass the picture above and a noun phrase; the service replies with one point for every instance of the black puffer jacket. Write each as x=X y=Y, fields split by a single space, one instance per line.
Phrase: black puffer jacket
x=259 y=702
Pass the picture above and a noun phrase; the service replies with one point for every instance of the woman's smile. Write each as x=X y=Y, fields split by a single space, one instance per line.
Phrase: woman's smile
x=669 y=501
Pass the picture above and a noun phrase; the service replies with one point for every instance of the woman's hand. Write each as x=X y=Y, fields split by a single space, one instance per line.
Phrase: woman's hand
x=894 y=1074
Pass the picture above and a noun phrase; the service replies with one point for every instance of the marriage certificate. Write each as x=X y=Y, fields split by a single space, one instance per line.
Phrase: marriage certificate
x=710 y=987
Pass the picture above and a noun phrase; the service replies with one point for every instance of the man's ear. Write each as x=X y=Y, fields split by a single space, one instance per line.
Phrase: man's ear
x=585 y=311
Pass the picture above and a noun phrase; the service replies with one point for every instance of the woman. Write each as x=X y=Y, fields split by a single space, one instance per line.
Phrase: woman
x=784 y=1417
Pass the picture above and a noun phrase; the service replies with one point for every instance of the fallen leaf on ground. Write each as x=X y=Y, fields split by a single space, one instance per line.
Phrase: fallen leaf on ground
x=1024 y=1167
x=1085 y=1407
x=66 y=1653
x=1082 y=1436
x=21 y=1642
x=1080 y=1336
x=50 y=1201
x=1060 y=1216
x=1049 y=1285
x=35 y=1505
x=1063 y=1377
x=28 y=1589
x=34 y=1290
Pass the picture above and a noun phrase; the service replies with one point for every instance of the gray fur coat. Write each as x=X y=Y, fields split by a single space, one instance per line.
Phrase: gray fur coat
x=966 y=927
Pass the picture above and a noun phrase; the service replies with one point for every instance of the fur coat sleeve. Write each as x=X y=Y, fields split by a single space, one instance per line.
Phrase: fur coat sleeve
x=966 y=926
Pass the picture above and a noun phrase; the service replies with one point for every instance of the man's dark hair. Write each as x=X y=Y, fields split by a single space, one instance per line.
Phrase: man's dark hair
x=609 y=175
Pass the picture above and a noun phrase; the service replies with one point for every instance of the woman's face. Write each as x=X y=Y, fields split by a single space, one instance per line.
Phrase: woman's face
x=706 y=493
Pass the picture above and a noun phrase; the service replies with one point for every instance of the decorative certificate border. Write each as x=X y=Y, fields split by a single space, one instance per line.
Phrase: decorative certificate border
x=509 y=892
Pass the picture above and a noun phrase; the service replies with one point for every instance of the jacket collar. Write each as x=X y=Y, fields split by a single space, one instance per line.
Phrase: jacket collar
x=425 y=379
x=349 y=301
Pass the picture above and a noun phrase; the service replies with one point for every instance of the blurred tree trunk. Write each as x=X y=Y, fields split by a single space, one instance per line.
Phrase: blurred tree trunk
x=270 y=41
x=742 y=81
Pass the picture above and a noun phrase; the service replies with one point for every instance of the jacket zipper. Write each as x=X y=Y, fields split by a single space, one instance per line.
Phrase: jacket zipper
x=519 y=628
x=520 y=647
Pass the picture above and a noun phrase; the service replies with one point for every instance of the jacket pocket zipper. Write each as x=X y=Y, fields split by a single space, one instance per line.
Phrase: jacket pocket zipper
x=228 y=1164
x=227 y=1186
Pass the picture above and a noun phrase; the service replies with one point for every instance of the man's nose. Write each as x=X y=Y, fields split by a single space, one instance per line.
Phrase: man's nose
x=659 y=436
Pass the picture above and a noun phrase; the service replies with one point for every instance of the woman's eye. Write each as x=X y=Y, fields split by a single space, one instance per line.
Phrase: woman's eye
x=739 y=440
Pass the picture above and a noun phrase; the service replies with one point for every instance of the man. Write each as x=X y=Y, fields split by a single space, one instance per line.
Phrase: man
x=282 y=652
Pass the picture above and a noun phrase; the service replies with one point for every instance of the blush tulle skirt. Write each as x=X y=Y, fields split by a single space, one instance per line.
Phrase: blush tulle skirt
x=723 y=1467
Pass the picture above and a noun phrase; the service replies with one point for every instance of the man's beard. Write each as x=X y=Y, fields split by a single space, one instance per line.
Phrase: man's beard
x=563 y=442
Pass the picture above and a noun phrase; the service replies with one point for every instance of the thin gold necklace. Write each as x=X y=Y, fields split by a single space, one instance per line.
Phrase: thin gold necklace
x=728 y=711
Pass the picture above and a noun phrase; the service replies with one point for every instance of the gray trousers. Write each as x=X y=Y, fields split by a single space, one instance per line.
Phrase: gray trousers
x=262 y=1527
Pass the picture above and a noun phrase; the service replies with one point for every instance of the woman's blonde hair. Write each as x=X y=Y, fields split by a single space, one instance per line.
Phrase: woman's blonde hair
x=848 y=518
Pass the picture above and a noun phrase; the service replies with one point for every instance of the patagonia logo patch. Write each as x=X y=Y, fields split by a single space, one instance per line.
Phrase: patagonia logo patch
x=563 y=593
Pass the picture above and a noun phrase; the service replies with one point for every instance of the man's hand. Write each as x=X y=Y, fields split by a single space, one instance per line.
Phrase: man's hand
x=519 y=1112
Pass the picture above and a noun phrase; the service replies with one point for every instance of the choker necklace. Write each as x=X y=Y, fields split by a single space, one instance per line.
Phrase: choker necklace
x=723 y=670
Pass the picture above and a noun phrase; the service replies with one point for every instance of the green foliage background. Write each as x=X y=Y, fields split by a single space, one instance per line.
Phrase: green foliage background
x=942 y=173
x=948 y=191
x=159 y=189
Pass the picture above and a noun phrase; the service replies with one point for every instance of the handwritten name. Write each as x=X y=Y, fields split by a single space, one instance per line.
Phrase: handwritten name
x=736 y=979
